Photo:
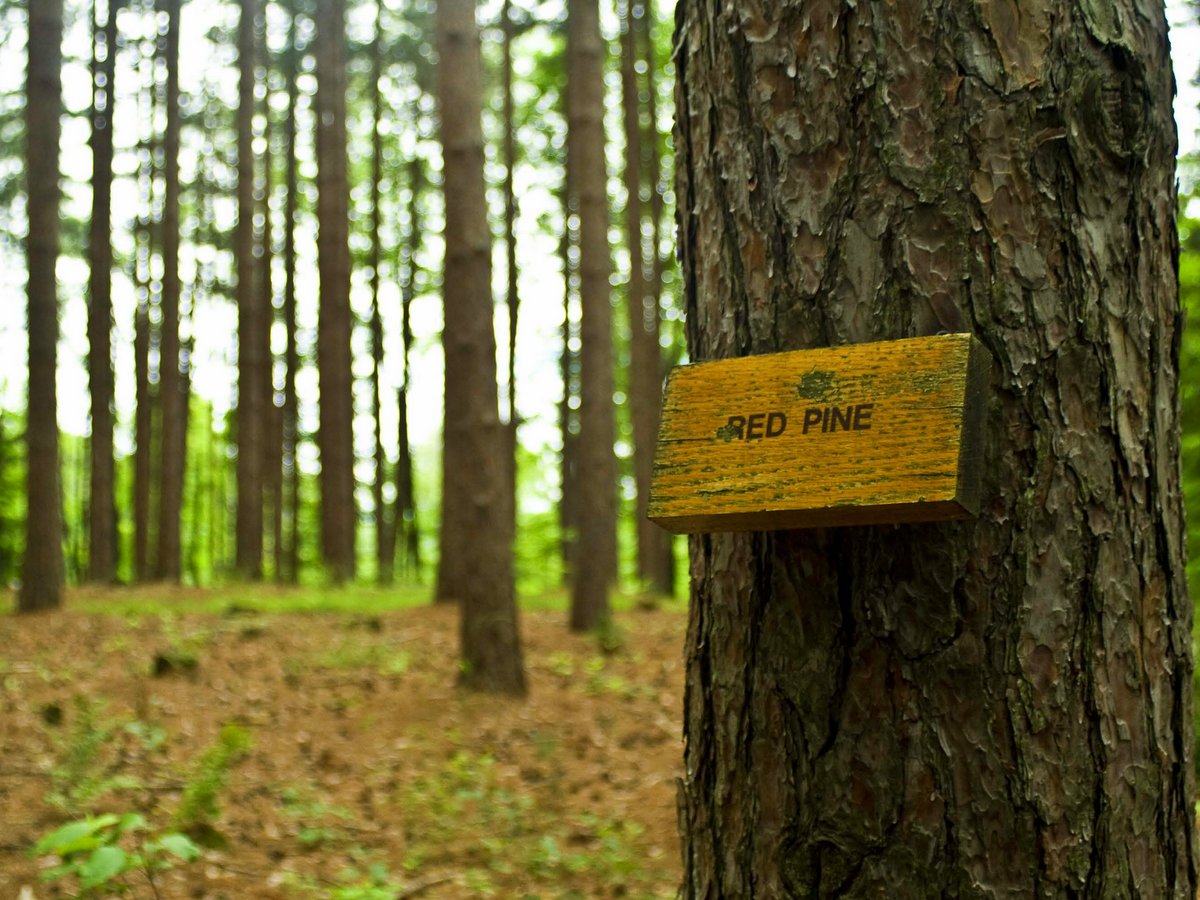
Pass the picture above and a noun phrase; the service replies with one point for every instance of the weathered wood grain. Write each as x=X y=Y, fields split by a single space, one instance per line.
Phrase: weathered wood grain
x=858 y=434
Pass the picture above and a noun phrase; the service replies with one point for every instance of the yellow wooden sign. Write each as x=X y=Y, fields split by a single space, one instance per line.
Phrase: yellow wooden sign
x=854 y=435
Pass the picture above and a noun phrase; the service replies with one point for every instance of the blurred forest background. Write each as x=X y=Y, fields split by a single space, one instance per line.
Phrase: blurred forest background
x=178 y=260
x=193 y=128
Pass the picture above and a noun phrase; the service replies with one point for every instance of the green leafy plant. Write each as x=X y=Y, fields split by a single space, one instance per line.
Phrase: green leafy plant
x=200 y=804
x=80 y=779
x=101 y=854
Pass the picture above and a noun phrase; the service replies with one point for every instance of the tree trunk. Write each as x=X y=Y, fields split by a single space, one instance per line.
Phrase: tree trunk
x=272 y=448
x=645 y=362
x=42 y=573
x=996 y=708
x=333 y=339
x=253 y=337
x=662 y=574
x=102 y=509
x=476 y=564
x=289 y=571
x=568 y=413
x=405 y=514
x=173 y=443
x=597 y=486
x=513 y=296
x=384 y=545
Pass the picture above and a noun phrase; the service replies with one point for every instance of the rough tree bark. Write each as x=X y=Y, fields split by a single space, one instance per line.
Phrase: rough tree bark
x=997 y=708
x=173 y=441
x=597 y=473
x=42 y=572
x=335 y=436
x=476 y=564
x=102 y=508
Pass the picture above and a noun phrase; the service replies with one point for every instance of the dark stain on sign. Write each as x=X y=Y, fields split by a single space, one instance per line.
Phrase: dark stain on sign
x=816 y=385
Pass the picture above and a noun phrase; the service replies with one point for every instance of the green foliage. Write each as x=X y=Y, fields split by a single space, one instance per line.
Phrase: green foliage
x=81 y=778
x=12 y=497
x=199 y=806
x=525 y=839
x=97 y=855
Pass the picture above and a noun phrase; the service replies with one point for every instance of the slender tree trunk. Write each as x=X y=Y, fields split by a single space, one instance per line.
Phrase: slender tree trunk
x=597 y=557
x=995 y=708
x=102 y=510
x=510 y=252
x=272 y=462
x=338 y=517
x=252 y=320
x=291 y=418
x=42 y=573
x=405 y=515
x=662 y=573
x=645 y=363
x=568 y=415
x=384 y=545
x=476 y=564
x=173 y=443
x=143 y=427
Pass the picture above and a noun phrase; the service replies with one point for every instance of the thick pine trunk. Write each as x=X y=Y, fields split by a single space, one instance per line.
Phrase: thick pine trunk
x=173 y=444
x=995 y=708
x=597 y=473
x=253 y=340
x=335 y=436
x=476 y=565
x=102 y=510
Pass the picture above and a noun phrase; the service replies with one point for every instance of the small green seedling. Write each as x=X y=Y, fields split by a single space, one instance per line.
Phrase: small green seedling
x=101 y=853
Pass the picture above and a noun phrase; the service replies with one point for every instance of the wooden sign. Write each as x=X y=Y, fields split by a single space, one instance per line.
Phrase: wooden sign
x=854 y=435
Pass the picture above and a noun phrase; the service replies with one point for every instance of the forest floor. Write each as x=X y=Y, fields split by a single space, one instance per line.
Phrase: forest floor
x=322 y=749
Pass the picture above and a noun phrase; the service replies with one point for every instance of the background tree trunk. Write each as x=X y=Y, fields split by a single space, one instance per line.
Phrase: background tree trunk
x=338 y=518
x=253 y=339
x=173 y=444
x=42 y=573
x=645 y=357
x=597 y=473
x=476 y=565
x=512 y=294
x=102 y=509
x=290 y=570
x=405 y=515
x=1000 y=707
x=384 y=544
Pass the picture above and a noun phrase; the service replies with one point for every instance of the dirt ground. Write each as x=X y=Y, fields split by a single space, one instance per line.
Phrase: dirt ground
x=366 y=773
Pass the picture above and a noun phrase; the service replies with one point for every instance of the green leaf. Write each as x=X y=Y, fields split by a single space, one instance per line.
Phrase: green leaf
x=74 y=837
x=131 y=822
x=102 y=866
x=178 y=845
